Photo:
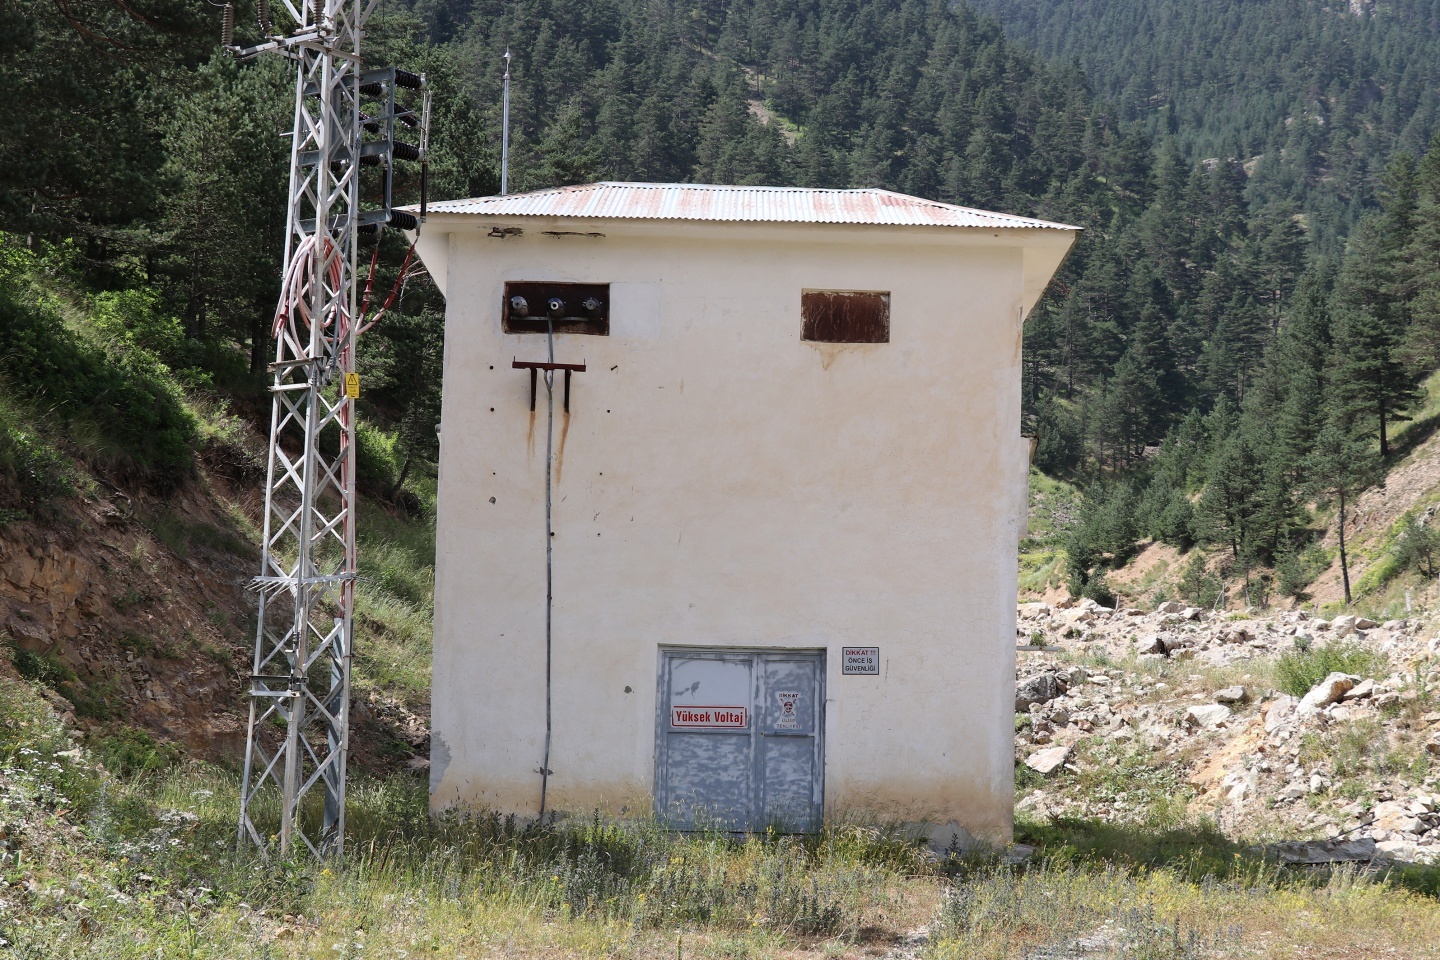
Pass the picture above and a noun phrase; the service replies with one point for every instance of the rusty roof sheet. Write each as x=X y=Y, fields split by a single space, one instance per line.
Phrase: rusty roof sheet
x=700 y=201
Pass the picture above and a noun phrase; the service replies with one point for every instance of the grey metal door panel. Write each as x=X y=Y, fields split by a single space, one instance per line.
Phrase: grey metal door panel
x=707 y=781
x=790 y=717
x=791 y=696
x=788 y=791
x=739 y=739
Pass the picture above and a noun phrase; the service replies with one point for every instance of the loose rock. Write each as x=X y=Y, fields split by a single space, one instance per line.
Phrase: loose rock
x=1049 y=760
x=1040 y=689
x=1206 y=717
x=1327 y=691
x=1235 y=694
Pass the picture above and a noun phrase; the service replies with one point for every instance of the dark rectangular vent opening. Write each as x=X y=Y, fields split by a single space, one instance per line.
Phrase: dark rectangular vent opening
x=845 y=316
x=576 y=307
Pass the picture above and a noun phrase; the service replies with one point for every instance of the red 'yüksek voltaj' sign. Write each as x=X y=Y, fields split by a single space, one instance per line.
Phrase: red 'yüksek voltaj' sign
x=707 y=716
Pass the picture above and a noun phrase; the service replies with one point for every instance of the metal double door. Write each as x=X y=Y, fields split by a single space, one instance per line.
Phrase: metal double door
x=740 y=739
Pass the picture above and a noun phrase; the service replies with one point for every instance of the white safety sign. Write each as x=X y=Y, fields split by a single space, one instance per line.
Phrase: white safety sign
x=788 y=719
x=732 y=717
x=860 y=661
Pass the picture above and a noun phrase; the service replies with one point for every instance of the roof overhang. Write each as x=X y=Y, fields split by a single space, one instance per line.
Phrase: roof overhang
x=789 y=217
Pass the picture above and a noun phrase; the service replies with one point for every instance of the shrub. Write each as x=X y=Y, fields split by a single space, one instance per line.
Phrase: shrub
x=1296 y=672
x=29 y=466
x=130 y=752
x=377 y=463
x=137 y=318
x=1416 y=547
x=38 y=763
x=43 y=668
x=121 y=405
x=1198 y=585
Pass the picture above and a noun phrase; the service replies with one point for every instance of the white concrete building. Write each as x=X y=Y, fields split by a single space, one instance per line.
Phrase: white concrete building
x=786 y=500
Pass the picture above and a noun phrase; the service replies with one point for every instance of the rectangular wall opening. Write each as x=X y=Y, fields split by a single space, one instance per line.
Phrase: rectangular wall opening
x=845 y=316
x=583 y=307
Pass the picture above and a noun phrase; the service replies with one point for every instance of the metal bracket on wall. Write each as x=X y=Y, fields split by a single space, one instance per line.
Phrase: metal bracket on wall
x=536 y=365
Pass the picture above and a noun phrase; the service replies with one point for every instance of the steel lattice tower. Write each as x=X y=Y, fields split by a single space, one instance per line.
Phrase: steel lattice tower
x=301 y=671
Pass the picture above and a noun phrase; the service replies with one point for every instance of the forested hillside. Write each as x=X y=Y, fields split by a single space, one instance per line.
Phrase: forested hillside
x=1245 y=311
x=1314 y=96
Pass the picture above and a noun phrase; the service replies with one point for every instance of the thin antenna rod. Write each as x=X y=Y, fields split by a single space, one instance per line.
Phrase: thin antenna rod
x=505 y=132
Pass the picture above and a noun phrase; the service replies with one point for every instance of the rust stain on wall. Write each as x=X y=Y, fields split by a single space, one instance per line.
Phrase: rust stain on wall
x=560 y=449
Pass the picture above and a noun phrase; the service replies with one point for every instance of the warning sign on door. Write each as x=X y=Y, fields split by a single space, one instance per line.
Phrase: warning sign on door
x=861 y=661
x=731 y=717
x=788 y=719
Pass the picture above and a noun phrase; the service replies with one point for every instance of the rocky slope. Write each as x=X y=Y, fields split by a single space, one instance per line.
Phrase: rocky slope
x=130 y=612
x=1151 y=715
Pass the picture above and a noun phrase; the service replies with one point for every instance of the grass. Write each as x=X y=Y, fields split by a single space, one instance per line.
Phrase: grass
x=144 y=866
x=1299 y=670
x=1053 y=508
x=395 y=602
x=1358 y=754
x=1407 y=435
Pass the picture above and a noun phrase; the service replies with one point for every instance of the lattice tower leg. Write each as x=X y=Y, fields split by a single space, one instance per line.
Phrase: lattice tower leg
x=293 y=791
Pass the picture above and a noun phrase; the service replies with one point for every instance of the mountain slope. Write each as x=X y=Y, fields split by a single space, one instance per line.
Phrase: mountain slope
x=1316 y=94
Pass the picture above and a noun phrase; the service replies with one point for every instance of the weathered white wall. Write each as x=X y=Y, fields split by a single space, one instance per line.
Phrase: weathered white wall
x=720 y=482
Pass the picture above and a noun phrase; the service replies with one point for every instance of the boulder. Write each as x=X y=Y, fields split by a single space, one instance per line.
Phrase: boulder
x=1046 y=762
x=1173 y=643
x=1034 y=610
x=1396 y=849
x=1170 y=606
x=1236 y=787
x=1038 y=689
x=1235 y=694
x=1365 y=688
x=1190 y=613
x=1278 y=712
x=1327 y=691
x=1343 y=626
x=1150 y=645
x=1206 y=717
x=1365 y=623
x=1395 y=815
x=1292 y=791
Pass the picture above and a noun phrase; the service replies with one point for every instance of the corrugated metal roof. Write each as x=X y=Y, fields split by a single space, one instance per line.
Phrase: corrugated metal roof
x=699 y=201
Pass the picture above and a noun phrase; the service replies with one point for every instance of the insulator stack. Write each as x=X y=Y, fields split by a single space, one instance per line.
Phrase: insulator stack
x=262 y=14
x=227 y=26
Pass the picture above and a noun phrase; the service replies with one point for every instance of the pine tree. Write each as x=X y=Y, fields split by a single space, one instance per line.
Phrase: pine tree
x=1226 y=511
x=1340 y=466
x=1369 y=375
